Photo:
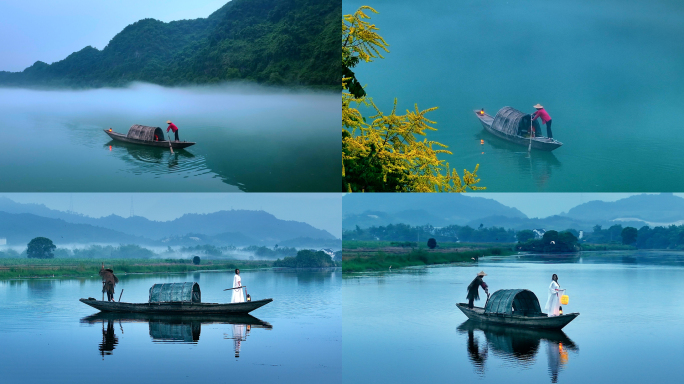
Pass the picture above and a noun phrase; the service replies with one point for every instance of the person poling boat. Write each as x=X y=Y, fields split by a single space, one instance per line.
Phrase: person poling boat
x=546 y=119
x=552 y=307
x=172 y=127
x=109 y=281
x=473 y=289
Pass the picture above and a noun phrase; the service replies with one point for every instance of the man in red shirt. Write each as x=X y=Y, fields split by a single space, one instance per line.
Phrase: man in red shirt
x=546 y=119
x=172 y=127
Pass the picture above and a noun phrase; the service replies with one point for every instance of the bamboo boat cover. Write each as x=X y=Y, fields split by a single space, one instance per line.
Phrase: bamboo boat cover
x=506 y=301
x=512 y=122
x=142 y=132
x=175 y=293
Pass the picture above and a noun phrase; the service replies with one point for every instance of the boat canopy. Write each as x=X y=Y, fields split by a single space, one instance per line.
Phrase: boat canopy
x=142 y=132
x=513 y=122
x=521 y=302
x=176 y=293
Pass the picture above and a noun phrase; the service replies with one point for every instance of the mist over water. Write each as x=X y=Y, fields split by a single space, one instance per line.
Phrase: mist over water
x=249 y=138
x=609 y=73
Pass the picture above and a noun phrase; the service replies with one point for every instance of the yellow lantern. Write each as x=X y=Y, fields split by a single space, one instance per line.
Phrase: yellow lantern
x=565 y=299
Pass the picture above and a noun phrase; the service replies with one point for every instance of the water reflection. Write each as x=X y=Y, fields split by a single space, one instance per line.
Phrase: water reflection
x=183 y=329
x=156 y=161
x=539 y=164
x=517 y=345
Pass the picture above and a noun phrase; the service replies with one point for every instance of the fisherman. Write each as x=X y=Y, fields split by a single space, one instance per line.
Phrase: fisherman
x=473 y=289
x=546 y=119
x=552 y=307
x=238 y=296
x=172 y=127
x=109 y=281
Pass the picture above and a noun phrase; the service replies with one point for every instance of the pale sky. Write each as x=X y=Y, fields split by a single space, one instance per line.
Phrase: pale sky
x=548 y=204
x=321 y=210
x=49 y=31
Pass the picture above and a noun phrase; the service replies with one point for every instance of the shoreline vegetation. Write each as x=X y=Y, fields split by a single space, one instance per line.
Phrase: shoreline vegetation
x=361 y=256
x=14 y=268
x=369 y=256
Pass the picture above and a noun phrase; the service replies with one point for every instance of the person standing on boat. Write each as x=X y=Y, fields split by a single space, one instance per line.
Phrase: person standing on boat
x=553 y=303
x=473 y=289
x=172 y=127
x=546 y=119
x=109 y=281
x=238 y=296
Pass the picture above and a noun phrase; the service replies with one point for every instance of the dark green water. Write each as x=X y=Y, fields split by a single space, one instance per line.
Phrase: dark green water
x=248 y=139
x=608 y=72
x=404 y=327
x=47 y=335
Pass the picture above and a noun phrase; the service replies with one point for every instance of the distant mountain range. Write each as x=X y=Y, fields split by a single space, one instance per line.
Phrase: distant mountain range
x=278 y=42
x=19 y=223
x=446 y=209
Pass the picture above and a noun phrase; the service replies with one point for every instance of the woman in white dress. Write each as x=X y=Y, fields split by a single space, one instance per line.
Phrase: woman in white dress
x=555 y=292
x=238 y=295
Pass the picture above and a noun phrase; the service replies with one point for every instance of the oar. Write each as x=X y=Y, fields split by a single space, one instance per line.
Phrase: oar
x=240 y=287
x=529 y=148
x=120 y=295
x=487 y=300
x=170 y=147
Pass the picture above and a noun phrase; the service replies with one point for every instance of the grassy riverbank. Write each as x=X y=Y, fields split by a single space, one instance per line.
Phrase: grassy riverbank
x=12 y=268
x=359 y=256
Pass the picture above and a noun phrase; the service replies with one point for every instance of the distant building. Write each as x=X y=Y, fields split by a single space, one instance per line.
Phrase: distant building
x=581 y=235
x=539 y=233
x=3 y=241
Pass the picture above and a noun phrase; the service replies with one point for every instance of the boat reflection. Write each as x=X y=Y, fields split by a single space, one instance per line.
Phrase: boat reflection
x=183 y=329
x=538 y=164
x=517 y=345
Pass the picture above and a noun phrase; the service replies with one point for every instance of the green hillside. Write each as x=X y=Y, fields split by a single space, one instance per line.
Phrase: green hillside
x=275 y=42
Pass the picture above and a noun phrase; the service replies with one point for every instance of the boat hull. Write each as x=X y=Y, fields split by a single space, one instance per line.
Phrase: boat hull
x=160 y=144
x=177 y=308
x=537 y=322
x=540 y=143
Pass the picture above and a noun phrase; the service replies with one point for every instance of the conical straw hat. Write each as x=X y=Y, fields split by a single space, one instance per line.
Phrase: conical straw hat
x=482 y=273
x=168 y=121
x=539 y=106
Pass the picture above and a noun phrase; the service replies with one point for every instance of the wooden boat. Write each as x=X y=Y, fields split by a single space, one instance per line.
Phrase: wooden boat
x=515 y=307
x=176 y=298
x=150 y=136
x=512 y=125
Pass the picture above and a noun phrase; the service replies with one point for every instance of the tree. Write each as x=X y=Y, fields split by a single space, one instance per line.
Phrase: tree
x=40 y=248
x=385 y=154
x=432 y=243
x=196 y=260
x=525 y=235
x=629 y=235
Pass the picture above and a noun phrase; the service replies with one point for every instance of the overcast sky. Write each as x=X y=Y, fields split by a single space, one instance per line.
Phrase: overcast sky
x=549 y=204
x=322 y=210
x=49 y=30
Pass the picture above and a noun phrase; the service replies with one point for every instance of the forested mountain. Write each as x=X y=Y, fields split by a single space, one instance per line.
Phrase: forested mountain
x=662 y=208
x=235 y=227
x=276 y=42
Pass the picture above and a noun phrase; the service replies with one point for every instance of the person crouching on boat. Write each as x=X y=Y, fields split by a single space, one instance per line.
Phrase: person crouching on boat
x=552 y=307
x=238 y=296
x=546 y=119
x=473 y=289
x=172 y=127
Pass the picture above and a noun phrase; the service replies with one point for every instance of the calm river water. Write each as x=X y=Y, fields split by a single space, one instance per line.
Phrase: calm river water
x=404 y=327
x=608 y=72
x=249 y=139
x=47 y=335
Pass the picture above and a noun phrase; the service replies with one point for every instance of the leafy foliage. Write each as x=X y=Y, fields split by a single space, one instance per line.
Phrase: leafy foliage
x=40 y=248
x=278 y=42
x=306 y=259
x=629 y=235
x=525 y=235
x=551 y=242
x=386 y=154
x=432 y=243
x=404 y=234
